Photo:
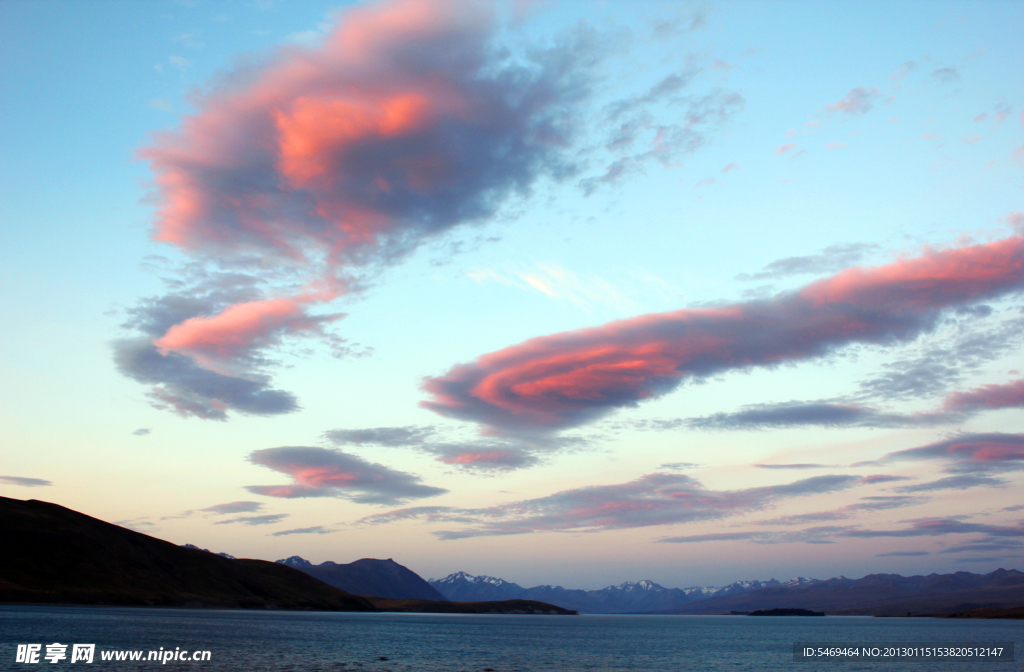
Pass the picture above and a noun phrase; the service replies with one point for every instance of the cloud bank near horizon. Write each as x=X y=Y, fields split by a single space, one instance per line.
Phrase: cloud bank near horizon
x=654 y=499
x=956 y=407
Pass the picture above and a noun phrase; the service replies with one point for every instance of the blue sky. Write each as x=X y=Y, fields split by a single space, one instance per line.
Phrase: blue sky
x=536 y=169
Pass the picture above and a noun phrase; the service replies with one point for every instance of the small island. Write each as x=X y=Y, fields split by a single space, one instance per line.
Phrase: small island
x=494 y=607
x=786 y=612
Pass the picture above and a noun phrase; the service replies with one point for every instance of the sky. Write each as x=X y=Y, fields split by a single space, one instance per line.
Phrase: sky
x=560 y=292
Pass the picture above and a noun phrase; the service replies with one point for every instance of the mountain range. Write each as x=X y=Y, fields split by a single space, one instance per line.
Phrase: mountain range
x=879 y=595
x=369 y=576
x=875 y=594
x=629 y=597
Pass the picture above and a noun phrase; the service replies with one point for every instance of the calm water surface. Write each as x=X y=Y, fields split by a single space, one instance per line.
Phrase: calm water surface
x=266 y=641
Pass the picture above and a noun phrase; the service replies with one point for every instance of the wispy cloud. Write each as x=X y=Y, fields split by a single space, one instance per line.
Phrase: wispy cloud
x=233 y=507
x=867 y=504
x=831 y=259
x=965 y=454
x=478 y=454
x=858 y=101
x=637 y=140
x=654 y=499
x=803 y=413
x=946 y=75
x=958 y=482
x=316 y=529
x=268 y=519
x=559 y=283
x=997 y=535
x=24 y=482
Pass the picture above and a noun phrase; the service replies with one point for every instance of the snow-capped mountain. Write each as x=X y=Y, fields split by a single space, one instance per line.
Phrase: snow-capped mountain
x=628 y=597
x=463 y=587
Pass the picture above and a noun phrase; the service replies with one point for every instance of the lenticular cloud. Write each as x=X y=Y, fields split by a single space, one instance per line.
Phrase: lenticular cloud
x=564 y=380
x=326 y=162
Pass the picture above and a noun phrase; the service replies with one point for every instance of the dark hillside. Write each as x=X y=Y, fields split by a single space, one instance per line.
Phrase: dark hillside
x=383 y=578
x=55 y=555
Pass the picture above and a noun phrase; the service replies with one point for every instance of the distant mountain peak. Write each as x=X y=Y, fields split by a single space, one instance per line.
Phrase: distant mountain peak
x=457 y=576
x=800 y=581
x=645 y=585
x=295 y=561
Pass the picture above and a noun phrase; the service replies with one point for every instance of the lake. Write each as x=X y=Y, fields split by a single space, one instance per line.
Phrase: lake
x=259 y=641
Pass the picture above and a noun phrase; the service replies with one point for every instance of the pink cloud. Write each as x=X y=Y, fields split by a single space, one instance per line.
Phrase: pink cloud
x=857 y=101
x=319 y=472
x=981 y=118
x=834 y=145
x=782 y=149
x=491 y=457
x=349 y=147
x=1010 y=395
x=731 y=166
x=567 y=379
x=213 y=341
x=1018 y=155
x=967 y=453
